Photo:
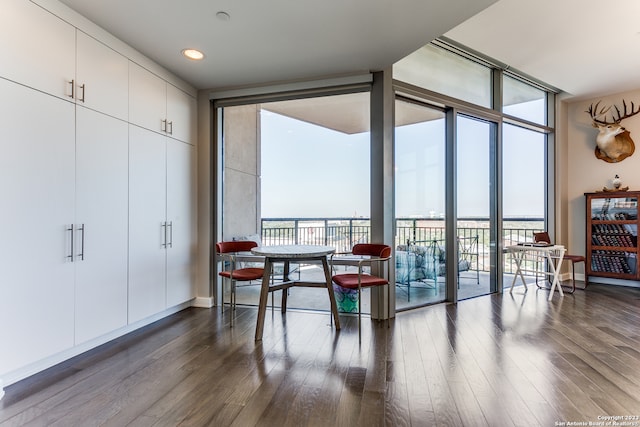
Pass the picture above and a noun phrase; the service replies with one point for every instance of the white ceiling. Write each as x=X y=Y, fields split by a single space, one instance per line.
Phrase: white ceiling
x=276 y=40
x=584 y=47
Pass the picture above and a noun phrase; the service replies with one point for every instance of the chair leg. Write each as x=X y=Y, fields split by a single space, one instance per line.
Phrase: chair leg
x=359 y=316
x=222 y=295
x=573 y=272
x=233 y=296
x=388 y=305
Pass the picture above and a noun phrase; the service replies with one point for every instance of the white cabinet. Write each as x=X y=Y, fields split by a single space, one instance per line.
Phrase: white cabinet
x=159 y=106
x=102 y=77
x=147 y=99
x=181 y=214
x=147 y=223
x=161 y=222
x=52 y=178
x=37 y=193
x=101 y=224
x=181 y=111
x=98 y=233
x=44 y=59
x=60 y=60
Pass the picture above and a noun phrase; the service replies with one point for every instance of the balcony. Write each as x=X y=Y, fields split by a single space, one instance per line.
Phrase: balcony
x=343 y=233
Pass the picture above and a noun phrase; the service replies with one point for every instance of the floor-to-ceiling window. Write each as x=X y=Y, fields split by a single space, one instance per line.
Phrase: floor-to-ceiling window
x=475 y=145
x=297 y=172
x=463 y=130
x=499 y=184
x=419 y=204
x=524 y=165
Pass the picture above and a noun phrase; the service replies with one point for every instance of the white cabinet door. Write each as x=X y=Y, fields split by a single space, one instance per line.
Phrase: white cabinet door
x=147 y=99
x=102 y=219
x=181 y=211
x=147 y=218
x=37 y=49
x=181 y=115
x=102 y=78
x=37 y=193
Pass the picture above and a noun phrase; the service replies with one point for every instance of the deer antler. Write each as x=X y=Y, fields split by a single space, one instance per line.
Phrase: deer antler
x=594 y=113
x=601 y=116
x=625 y=115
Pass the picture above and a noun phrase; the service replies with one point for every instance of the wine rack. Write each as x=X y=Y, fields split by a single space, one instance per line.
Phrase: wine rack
x=612 y=234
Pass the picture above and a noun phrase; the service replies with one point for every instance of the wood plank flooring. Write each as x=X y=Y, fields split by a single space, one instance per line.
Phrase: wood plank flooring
x=498 y=360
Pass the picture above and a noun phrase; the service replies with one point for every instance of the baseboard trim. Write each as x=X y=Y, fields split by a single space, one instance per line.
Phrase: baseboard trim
x=12 y=377
x=202 y=302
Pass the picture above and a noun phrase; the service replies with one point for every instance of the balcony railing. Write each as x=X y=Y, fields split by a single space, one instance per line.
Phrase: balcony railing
x=343 y=233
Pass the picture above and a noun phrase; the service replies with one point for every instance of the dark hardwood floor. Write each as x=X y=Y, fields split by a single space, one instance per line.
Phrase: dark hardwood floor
x=500 y=360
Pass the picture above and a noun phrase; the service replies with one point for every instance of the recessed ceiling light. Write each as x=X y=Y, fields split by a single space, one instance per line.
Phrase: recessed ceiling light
x=194 y=54
x=223 y=16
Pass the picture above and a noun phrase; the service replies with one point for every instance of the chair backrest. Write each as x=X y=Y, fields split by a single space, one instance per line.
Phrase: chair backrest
x=541 y=237
x=235 y=246
x=372 y=249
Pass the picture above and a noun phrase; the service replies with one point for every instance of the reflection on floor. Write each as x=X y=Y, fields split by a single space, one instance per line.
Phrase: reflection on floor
x=419 y=293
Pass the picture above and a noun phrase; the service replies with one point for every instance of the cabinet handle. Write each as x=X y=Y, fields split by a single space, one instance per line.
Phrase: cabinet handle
x=170 y=127
x=164 y=234
x=73 y=92
x=82 y=99
x=163 y=126
x=70 y=256
x=170 y=244
x=81 y=254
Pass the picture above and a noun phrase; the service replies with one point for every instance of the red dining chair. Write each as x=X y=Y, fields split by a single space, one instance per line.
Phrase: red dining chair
x=229 y=252
x=373 y=254
x=543 y=237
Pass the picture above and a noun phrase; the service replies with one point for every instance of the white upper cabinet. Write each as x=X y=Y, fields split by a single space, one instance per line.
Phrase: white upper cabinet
x=44 y=59
x=160 y=107
x=147 y=99
x=39 y=50
x=102 y=78
x=181 y=113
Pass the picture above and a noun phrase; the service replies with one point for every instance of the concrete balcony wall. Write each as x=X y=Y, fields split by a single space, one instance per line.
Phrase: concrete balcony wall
x=241 y=215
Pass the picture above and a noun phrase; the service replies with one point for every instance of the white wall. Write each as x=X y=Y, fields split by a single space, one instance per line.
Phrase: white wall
x=204 y=297
x=584 y=171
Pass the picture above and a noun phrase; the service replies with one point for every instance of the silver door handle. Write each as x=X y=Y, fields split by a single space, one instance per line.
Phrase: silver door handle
x=164 y=234
x=170 y=128
x=81 y=254
x=163 y=125
x=73 y=86
x=70 y=256
x=82 y=86
x=170 y=244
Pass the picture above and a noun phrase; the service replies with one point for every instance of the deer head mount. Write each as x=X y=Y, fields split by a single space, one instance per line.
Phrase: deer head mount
x=613 y=143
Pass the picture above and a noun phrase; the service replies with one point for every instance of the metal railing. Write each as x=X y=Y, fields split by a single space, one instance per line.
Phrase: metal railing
x=343 y=233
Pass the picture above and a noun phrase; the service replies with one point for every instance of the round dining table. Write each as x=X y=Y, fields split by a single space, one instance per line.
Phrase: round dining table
x=288 y=254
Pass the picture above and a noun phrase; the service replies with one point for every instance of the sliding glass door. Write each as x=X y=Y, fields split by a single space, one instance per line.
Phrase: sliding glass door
x=475 y=195
x=420 y=204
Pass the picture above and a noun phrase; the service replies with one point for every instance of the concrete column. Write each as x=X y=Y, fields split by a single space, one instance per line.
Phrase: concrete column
x=382 y=179
x=241 y=182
